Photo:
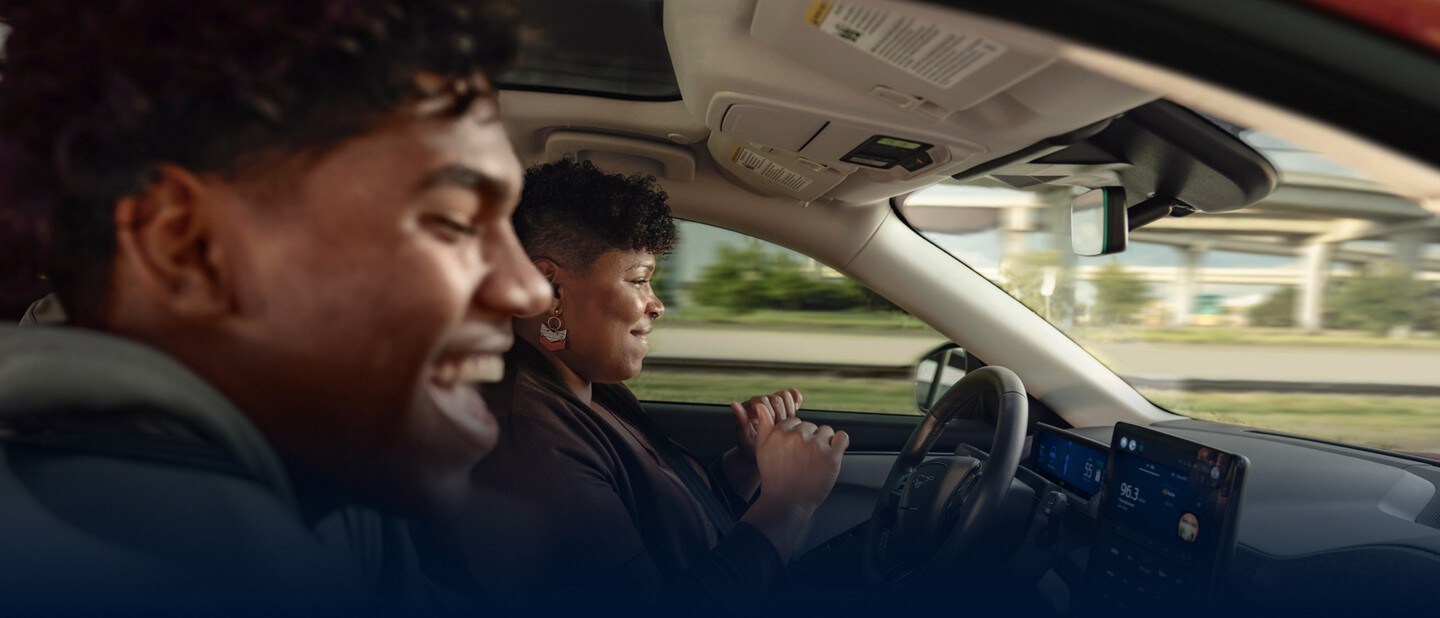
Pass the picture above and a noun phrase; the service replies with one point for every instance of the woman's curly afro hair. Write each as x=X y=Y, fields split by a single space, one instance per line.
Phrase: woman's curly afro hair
x=96 y=94
x=573 y=212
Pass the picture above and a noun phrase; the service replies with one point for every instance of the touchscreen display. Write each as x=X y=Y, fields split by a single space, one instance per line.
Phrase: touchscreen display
x=1069 y=461
x=1166 y=523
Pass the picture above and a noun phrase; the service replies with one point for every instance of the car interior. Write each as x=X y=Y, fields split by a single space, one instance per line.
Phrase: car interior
x=807 y=124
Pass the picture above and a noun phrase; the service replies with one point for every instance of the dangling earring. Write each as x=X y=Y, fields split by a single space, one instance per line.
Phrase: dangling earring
x=553 y=333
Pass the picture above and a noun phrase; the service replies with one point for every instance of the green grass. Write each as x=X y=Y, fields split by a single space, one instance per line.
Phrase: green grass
x=1254 y=336
x=1407 y=424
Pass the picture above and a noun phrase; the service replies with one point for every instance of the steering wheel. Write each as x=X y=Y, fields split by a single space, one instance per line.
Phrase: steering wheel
x=935 y=515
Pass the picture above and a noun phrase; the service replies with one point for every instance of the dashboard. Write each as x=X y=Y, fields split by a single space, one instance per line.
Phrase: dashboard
x=1314 y=526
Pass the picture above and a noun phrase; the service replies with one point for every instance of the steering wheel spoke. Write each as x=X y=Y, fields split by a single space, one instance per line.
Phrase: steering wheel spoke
x=964 y=489
x=935 y=509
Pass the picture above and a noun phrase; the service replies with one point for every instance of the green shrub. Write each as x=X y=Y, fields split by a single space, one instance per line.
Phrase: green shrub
x=1382 y=298
x=748 y=277
x=1119 y=295
x=1278 y=309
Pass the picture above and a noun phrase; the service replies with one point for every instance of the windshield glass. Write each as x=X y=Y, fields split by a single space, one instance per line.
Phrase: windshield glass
x=1314 y=312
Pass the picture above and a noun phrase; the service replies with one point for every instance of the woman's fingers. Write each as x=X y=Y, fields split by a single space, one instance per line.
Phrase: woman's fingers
x=786 y=403
x=782 y=409
x=782 y=404
x=760 y=406
x=791 y=409
x=799 y=462
x=824 y=434
x=742 y=418
x=764 y=422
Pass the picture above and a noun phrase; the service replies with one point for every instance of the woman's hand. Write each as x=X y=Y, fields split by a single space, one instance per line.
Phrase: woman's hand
x=779 y=406
x=798 y=462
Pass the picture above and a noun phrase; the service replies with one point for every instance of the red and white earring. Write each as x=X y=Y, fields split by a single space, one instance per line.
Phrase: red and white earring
x=553 y=333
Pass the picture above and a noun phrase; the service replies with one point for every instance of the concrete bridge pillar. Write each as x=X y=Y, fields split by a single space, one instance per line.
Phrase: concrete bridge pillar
x=1310 y=311
x=1407 y=248
x=1017 y=224
x=1187 y=284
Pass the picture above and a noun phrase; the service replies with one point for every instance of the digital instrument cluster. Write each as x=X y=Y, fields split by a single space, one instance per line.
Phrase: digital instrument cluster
x=1074 y=463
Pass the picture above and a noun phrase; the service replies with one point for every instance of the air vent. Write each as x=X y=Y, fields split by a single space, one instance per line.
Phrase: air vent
x=1431 y=515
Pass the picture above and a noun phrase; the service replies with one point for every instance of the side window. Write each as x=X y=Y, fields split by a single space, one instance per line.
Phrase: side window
x=745 y=317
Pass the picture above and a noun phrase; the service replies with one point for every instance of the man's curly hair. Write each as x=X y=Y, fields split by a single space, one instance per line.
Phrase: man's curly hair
x=96 y=94
x=573 y=212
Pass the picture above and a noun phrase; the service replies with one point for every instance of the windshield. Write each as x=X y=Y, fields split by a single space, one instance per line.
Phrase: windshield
x=1315 y=312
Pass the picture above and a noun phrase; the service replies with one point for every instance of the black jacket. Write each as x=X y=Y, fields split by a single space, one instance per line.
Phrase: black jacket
x=576 y=507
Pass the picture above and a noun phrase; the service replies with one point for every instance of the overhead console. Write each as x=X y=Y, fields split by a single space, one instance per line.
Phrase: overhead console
x=781 y=149
x=861 y=101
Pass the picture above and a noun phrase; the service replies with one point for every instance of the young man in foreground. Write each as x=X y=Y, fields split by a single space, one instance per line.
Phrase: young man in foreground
x=281 y=233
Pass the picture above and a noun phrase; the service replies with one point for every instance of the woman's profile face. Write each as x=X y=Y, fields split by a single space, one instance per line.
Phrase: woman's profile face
x=609 y=311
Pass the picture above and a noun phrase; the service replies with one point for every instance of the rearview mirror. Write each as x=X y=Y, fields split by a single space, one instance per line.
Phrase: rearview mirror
x=1099 y=222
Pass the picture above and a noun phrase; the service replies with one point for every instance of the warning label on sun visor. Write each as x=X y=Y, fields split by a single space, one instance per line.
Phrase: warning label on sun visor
x=756 y=162
x=926 y=50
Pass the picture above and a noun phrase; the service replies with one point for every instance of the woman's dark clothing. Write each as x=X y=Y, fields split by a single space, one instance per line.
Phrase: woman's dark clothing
x=577 y=506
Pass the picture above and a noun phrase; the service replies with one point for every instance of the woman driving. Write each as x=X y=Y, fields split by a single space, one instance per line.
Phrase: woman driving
x=585 y=501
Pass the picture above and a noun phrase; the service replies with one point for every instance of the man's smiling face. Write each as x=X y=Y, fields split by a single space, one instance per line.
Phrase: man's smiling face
x=370 y=295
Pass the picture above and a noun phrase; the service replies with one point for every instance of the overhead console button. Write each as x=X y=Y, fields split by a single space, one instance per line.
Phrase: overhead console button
x=917 y=161
x=895 y=97
x=802 y=161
